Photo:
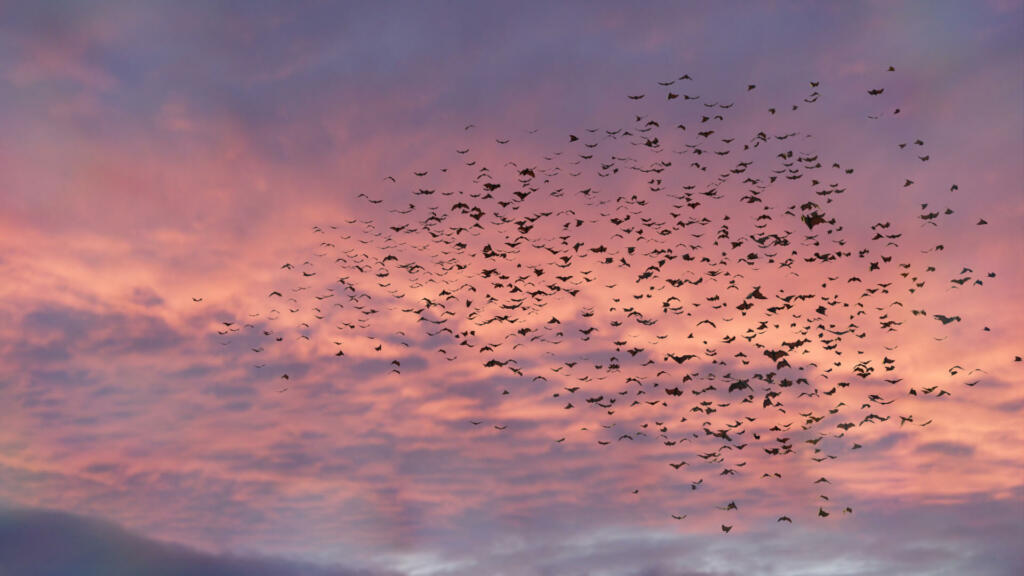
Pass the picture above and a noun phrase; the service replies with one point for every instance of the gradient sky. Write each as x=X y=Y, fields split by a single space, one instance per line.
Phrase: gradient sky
x=152 y=153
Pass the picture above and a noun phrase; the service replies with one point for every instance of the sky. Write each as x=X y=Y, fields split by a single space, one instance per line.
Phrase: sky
x=160 y=162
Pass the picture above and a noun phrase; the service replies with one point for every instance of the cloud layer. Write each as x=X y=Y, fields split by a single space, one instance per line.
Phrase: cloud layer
x=160 y=163
x=45 y=543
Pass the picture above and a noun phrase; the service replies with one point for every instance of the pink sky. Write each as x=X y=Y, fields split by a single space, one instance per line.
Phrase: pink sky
x=155 y=155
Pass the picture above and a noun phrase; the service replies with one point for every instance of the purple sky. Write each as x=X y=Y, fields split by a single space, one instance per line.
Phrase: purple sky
x=153 y=153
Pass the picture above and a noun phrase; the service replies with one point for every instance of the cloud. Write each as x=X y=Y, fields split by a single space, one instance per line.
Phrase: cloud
x=201 y=162
x=947 y=448
x=973 y=537
x=47 y=543
x=62 y=331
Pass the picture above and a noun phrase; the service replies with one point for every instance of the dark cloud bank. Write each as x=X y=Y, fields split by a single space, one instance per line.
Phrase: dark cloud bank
x=978 y=537
x=46 y=543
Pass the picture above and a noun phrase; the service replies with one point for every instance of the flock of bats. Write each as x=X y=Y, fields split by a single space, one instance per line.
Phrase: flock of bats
x=687 y=282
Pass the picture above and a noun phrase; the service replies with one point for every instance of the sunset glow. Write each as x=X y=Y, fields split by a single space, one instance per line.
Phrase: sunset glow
x=439 y=288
